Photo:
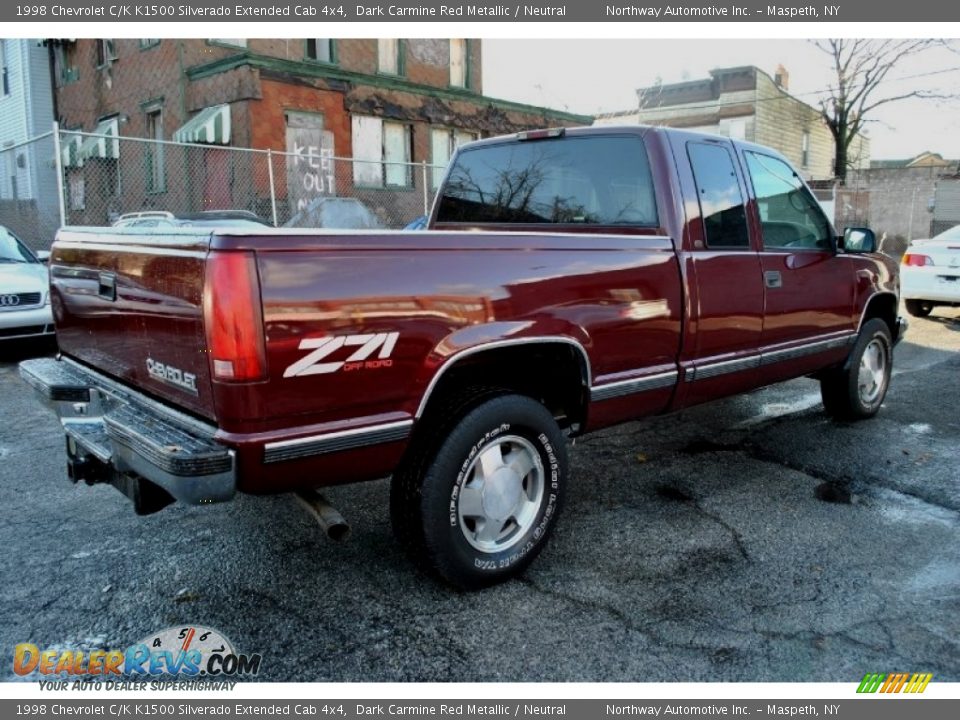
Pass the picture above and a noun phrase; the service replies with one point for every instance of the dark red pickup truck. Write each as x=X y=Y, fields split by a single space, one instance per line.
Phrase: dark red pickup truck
x=572 y=280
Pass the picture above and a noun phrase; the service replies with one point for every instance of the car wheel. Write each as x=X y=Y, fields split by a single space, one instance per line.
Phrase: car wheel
x=919 y=308
x=478 y=507
x=856 y=390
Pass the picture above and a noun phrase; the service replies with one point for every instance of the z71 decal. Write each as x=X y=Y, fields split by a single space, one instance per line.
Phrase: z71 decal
x=323 y=347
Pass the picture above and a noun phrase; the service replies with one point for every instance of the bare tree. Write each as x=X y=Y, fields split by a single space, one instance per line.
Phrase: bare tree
x=862 y=70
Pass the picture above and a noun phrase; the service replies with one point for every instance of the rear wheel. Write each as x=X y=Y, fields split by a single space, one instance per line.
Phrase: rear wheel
x=478 y=506
x=856 y=390
x=919 y=308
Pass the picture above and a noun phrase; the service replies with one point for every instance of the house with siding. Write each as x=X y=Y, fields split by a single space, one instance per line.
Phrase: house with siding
x=387 y=104
x=745 y=103
x=28 y=197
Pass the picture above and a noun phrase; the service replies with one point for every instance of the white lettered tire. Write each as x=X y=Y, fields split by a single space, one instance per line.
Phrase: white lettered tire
x=481 y=504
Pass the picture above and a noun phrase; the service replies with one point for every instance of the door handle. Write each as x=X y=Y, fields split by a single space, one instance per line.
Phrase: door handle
x=772 y=279
x=107 y=286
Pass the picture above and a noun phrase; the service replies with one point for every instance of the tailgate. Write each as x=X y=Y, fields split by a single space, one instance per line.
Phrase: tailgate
x=129 y=303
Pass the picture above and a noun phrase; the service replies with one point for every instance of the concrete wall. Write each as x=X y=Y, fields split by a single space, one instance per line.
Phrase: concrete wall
x=895 y=202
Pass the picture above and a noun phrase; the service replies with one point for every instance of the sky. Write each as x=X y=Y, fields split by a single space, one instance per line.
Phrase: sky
x=594 y=76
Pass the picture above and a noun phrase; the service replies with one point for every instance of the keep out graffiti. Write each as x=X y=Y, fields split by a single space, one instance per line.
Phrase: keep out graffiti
x=310 y=165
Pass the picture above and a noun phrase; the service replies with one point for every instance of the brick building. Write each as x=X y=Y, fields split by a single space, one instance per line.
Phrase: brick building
x=382 y=103
x=747 y=104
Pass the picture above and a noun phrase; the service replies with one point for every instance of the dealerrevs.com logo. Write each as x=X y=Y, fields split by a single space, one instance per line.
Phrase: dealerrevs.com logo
x=188 y=653
x=887 y=683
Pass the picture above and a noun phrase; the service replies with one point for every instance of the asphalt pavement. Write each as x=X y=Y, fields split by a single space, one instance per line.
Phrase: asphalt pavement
x=751 y=539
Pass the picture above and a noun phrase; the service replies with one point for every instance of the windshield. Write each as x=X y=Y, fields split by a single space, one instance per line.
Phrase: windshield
x=12 y=250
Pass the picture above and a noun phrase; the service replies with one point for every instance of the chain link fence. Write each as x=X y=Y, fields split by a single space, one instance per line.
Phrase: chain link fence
x=106 y=177
x=29 y=198
x=95 y=179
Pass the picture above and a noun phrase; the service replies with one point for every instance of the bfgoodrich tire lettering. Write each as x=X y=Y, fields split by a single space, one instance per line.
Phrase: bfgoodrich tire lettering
x=491 y=493
x=856 y=390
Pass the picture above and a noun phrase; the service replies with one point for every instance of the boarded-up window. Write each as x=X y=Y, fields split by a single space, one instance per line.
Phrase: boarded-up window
x=458 y=63
x=396 y=150
x=388 y=56
x=367 y=151
x=443 y=142
x=381 y=152
x=310 y=171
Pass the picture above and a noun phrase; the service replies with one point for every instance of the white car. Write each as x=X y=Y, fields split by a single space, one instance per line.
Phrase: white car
x=930 y=273
x=24 y=291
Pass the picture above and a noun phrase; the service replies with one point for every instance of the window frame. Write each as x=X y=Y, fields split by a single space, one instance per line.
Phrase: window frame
x=383 y=161
x=4 y=70
x=745 y=197
x=466 y=65
x=157 y=169
x=437 y=174
x=334 y=59
x=805 y=190
x=148 y=43
x=226 y=43
x=401 y=63
x=105 y=50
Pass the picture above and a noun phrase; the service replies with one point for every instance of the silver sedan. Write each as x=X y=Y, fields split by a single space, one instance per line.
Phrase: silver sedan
x=24 y=291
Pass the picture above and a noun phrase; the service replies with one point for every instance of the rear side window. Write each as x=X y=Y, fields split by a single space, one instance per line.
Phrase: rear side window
x=585 y=180
x=721 y=202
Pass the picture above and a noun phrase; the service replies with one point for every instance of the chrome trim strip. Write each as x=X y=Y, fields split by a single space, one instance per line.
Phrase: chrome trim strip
x=450 y=361
x=709 y=370
x=766 y=357
x=283 y=450
x=634 y=385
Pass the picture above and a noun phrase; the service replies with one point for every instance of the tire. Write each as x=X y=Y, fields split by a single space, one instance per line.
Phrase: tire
x=476 y=506
x=856 y=390
x=919 y=308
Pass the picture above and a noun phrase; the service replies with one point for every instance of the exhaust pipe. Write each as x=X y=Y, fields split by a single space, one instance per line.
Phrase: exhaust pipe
x=328 y=516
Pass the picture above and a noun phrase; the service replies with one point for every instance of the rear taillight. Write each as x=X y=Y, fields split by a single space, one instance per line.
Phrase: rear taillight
x=917 y=260
x=233 y=319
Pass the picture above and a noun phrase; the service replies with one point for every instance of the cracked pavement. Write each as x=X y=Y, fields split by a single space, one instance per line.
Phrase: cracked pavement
x=751 y=539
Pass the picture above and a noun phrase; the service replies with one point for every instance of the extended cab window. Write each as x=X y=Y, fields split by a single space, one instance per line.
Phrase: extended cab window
x=590 y=180
x=721 y=202
x=790 y=217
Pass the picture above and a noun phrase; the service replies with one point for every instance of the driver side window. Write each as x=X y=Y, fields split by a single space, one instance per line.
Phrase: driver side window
x=790 y=217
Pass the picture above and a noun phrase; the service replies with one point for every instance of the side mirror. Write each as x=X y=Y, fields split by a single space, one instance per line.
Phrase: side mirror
x=43 y=255
x=859 y=240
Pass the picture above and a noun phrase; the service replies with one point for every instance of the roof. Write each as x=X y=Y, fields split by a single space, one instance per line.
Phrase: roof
x=307 y=69
x=924 y=159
